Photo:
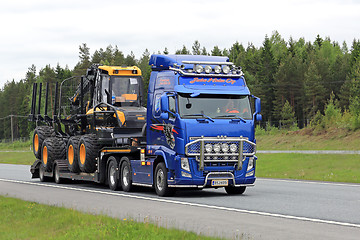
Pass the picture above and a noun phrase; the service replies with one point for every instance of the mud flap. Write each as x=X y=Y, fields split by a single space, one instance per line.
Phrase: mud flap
x=34 y=169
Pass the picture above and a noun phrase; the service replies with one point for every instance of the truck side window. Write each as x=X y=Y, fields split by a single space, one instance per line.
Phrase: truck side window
x=156 y=110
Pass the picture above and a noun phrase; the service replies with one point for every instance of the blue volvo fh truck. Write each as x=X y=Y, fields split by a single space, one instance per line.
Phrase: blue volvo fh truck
x=198 y=130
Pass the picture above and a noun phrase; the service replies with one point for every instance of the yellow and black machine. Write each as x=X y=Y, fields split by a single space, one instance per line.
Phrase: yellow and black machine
x=104 y=116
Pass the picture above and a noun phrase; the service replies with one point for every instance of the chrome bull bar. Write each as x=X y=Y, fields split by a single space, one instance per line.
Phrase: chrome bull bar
x=244 y=148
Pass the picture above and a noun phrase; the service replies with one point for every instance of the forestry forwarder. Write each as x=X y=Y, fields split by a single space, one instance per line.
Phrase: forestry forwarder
x=199 y=129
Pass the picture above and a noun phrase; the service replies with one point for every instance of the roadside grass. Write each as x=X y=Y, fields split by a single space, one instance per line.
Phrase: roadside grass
x=17 y=145
x=307 y=139
x=26 y=158
x=318 y=167
x=29 y=220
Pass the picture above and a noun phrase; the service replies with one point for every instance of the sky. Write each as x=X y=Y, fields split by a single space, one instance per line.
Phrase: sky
x=43 y=32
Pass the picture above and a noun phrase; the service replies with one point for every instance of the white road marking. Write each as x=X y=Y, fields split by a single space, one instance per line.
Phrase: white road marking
x=310 y=182
x=189 y=204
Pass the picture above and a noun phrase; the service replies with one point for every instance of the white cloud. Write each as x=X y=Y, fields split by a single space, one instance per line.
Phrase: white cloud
x=44 y=32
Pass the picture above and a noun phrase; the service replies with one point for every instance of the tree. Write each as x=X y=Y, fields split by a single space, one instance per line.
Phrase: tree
x=183 y=51
x=196 y=48
x=287 y=116
x=216 y=51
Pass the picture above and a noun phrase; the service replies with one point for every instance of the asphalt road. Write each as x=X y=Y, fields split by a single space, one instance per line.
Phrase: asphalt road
x=273 y=209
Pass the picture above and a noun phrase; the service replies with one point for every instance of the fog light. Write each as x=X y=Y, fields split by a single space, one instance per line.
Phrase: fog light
x=185 y=174
x=216 y=148
x=208 y=148
x=225 y=147
x=249 y=174
x=233 y=147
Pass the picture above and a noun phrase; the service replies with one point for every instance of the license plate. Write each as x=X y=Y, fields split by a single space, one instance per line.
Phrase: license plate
x=217 y=183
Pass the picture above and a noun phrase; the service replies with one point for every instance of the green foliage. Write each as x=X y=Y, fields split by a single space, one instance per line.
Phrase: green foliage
x=18 y=218
x=287 y=116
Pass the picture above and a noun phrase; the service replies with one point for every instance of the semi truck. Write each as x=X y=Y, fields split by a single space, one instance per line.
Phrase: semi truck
x=197 y=130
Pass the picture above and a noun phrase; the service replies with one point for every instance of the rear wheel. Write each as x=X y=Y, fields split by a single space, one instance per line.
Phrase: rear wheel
x=160 y=181
x=57 y=178
x=41 y=174
x=53 y=148
x=231 y=190
x=88 y=151
x=126 y=177
x=40 y=134
x=113 y=174
x=72 y=154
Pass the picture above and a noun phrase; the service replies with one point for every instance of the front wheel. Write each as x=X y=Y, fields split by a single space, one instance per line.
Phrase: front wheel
x=231 y=190
x=160 y=181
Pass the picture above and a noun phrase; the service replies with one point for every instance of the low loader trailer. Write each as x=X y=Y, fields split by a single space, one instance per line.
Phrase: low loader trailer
x=197 y=130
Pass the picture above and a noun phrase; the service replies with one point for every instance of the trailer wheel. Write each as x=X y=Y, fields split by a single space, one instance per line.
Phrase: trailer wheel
x=41 y=174
x=72 y=154
x=160 y=181
x=88 y=149
x=40 y=134
x=126 y=177
x=231 y=190
x=113 y=174
x=57 y=178
x=53 y=148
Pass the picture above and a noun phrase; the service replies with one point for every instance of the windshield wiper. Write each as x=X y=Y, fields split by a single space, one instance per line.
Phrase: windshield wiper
x=231 y=116
x=200 y=114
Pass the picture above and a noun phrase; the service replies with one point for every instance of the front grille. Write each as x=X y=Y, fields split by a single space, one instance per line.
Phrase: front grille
x=220 y=149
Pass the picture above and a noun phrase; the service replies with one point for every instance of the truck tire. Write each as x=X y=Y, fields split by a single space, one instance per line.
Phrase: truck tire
x=88 y=151
x=42 y=177
x=72 y=154
x=231 y=190
x=53 y=148
x=125 y=174
x=113 y=174
x=40 y=134
x=57 y=178
x=160 y=181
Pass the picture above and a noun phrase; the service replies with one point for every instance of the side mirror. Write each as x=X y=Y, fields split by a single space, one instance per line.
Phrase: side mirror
x=257 y=105
x=258 y=117
x=164 y=106
x=164 y=103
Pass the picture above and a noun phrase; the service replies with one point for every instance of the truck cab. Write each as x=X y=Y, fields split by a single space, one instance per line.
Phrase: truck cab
x=201 y=122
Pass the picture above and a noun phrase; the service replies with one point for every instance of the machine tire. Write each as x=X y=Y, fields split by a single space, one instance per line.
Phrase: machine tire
x=113 y=174
x=53 y=148
x=160 y=181
x=72 y=154
x=41 y=174
x=126 y=174
x=40 y=134
x=57 y=178
x=231 y=190
x=88 y=150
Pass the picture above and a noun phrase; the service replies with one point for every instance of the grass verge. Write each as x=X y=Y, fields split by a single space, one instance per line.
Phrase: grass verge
x=319 y=167
x=29 y=220
x=26 y=158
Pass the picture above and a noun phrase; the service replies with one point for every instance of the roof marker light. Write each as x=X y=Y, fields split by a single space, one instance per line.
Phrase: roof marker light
x=226 y=69
x=199 y=68
x=217 y=69
x=208 y=69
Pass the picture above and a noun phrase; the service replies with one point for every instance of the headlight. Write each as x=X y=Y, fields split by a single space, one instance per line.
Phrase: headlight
x=217 y=148
x=233 y=147
x=226 y=69
x=208 y=148
x=185 y=164
x=199 y=68
x=217 y=69
x=225 y=147
x=208 y=69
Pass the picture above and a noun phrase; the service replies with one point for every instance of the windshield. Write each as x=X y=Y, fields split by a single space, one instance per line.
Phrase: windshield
x=214 y=106
x=125 y=91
